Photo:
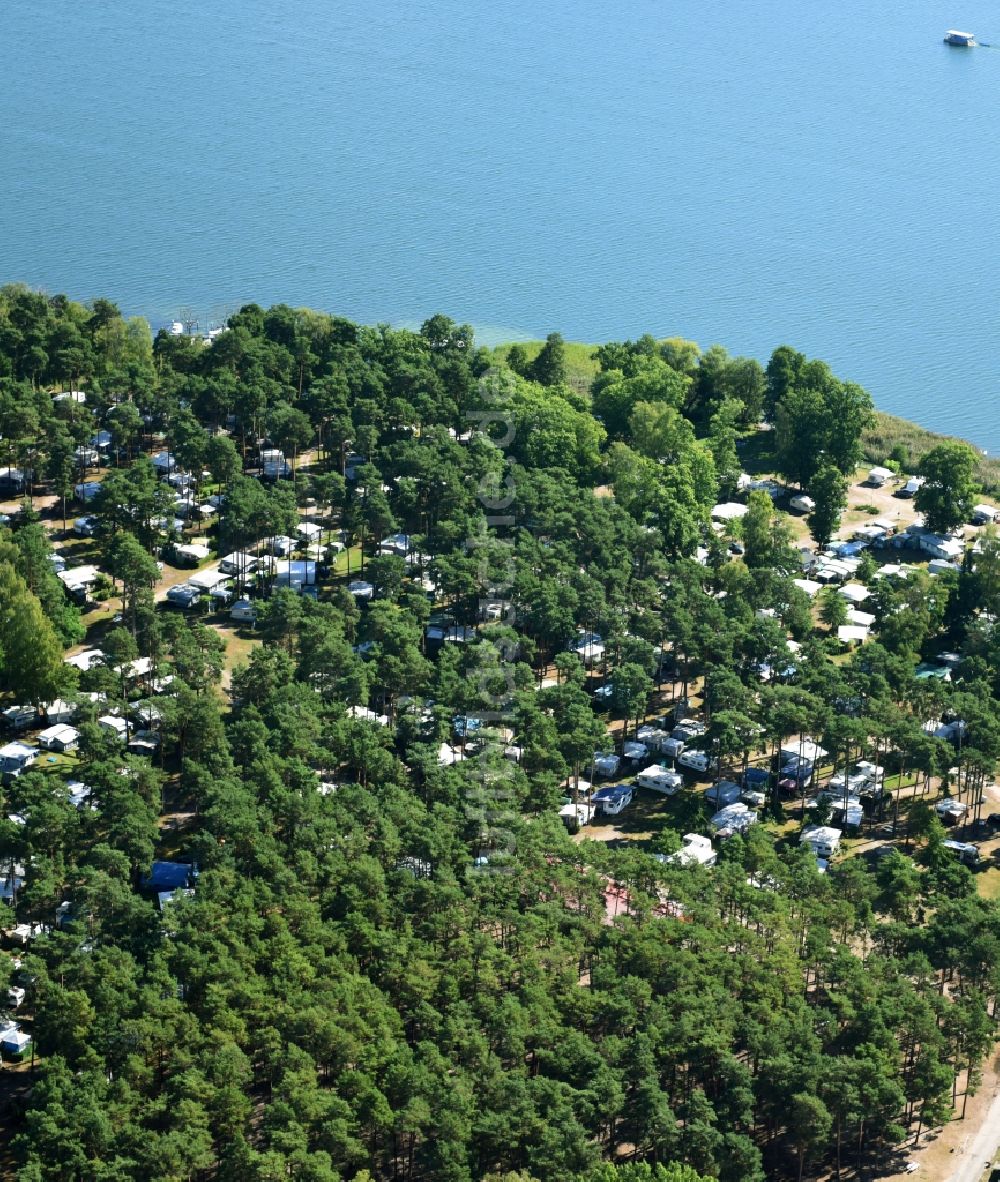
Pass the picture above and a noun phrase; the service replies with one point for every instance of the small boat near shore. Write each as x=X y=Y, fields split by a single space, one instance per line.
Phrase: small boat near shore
x=955 y=37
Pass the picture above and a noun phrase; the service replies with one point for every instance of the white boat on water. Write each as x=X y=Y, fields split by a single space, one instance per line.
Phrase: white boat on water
x=955 y=37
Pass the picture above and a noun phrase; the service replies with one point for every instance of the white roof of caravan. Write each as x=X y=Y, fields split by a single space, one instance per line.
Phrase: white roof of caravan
x=17 y=750
x=696 y=849
x=805 y=747
x=78 y=576
x=734 y=816
x=946 y=545
x=656 y=769
x=366 y=715
x=137 y=668
x=854 y=592
x=849 y=633
x=88 y=659
x=809 y=586
x=861 y=619
x=61 y=732
x=892 y=570
x=447 y=755
x=729 y=511
x=853 y=811
x=294 y=572
x=207 y=579
x=820 y=834
x=15 y=1041
x=78 y=792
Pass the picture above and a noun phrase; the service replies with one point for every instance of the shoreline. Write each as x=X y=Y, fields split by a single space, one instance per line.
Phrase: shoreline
x=497 y=340
x=878 y=442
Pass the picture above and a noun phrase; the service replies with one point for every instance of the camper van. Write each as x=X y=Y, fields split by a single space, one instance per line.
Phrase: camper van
x=965 y=851
x=694 y=760
x=659 y=779
x=612 y=799
x=723 y=793
x=824 y=840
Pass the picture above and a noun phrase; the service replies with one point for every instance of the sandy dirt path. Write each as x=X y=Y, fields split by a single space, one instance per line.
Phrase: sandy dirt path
x=978 y=1151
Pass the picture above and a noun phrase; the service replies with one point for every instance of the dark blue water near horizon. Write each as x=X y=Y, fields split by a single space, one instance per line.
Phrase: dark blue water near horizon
x=746 y=173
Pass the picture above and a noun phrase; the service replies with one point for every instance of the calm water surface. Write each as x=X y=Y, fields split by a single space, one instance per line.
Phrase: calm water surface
x=745 y=172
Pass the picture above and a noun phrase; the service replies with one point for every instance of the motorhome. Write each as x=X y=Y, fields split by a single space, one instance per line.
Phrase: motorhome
x=696 y=851
x=612 y=799
x=694 y=760
x=964 y=851
x=824 y=840
x=659 y=779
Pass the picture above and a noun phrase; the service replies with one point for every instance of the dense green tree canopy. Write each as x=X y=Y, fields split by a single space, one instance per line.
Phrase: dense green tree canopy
x=949 y=489
x=395 y=962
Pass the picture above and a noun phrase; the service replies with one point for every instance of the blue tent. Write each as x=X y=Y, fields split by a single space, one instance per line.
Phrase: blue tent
x=756 y=777
x=168 y=876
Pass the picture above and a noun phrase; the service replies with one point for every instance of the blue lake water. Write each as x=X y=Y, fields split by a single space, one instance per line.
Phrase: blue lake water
x=746 y=172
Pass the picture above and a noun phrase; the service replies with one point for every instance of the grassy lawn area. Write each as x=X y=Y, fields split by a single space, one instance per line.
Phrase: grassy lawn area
x=354 y=555
x=756 y=452
x=893 y=783
x=80 y=550
x=100 y=615
x=789 y=828
x=239 y=644
x=647 y=816
x=890 y=432
x=56 y=762
x=581 y=368
x=988 y=883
